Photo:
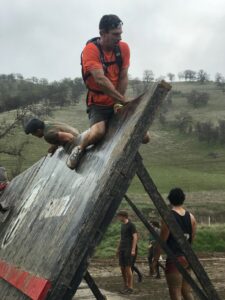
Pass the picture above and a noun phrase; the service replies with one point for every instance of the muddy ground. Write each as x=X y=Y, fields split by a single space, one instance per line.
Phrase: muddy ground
x=107 y=275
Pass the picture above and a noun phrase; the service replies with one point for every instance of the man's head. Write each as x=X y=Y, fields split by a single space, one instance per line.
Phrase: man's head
x=35 y=127
x=122 y=216
x=176 y=197
x=110 y=28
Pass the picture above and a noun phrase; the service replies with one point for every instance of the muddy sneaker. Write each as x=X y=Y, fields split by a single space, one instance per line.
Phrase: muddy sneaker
x=74 y=158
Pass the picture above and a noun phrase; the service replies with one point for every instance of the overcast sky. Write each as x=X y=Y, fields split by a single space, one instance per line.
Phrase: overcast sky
x=44 y=38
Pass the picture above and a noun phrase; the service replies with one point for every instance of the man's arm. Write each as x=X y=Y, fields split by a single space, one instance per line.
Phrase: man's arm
x=134 y=244
x=106 y=86
x=60 y=139
x=164 y=234
x=194 y=226
x=123 y=81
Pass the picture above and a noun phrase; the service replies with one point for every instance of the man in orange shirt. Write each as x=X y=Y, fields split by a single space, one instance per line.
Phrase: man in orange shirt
x=105 y=62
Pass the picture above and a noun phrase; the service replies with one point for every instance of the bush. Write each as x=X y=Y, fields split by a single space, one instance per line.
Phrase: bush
x=197 y=99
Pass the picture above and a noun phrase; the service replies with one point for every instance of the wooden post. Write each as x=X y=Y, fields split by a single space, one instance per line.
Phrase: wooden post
x=168 y=218
x=93 y=287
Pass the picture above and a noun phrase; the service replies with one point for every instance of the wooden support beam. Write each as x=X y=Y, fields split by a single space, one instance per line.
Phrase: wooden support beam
x=168 y=218
x=164 y=246
x=93 y=287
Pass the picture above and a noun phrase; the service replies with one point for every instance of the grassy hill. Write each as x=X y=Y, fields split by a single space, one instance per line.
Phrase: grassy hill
x=173 y=159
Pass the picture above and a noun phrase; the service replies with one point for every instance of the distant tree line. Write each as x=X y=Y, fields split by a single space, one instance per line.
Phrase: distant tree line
x=17 y=92
x=200 y=76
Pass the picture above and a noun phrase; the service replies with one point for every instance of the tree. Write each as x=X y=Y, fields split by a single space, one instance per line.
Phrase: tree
x=202 y=76
x=137 y=86
x=171 y=76
x=222 y=131
x=189 y=75
x=181 y=75
x=206 y=132
x=197 y=99
x=148 y=76
x=10 y=128
x=219 y=79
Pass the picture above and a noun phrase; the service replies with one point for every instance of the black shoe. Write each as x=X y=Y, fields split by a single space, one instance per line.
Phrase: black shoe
x=123 y=290
x=127 y=291
x=4 y=209
x=140 y=278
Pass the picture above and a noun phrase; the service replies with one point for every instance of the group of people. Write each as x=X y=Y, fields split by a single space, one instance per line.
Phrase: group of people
x=127 y=249
x=105 y=61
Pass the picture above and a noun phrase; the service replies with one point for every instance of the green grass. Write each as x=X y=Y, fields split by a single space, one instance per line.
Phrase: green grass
x=210 y=239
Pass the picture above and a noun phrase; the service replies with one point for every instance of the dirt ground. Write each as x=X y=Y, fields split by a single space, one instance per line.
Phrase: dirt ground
x=107 y=276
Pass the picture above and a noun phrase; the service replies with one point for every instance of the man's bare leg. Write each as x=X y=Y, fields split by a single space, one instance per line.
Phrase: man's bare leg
x=123 y=272
x=94 y=135
x=91 y=137
x=129 y=276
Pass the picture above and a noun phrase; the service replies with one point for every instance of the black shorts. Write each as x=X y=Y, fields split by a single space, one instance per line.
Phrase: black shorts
x=125 y=258
x=98 y=113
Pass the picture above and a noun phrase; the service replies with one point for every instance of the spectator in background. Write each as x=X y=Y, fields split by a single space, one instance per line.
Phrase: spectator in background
x=127 y=250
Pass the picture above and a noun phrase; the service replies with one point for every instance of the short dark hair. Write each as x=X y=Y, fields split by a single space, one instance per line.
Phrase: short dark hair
x=176 y=196
x=33 y=125
x=108 y=22
x=123 y=213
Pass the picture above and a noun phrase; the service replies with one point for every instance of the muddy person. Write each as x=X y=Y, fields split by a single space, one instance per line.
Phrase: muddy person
x=55 y=133
x=178 y=287
x=3 y=185
x=105 y=61
x=127 y=250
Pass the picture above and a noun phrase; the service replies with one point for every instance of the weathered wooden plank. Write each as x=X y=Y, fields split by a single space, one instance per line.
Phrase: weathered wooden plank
x=60 y=215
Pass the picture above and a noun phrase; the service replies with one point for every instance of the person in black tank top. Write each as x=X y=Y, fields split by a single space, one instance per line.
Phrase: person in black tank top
x=178 y=287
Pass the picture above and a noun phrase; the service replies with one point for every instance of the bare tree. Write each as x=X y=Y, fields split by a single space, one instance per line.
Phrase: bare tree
x=189 y=75
x=202 y=76
x=6 y=128
x=219 y=79
x=148 y=76
x=10 y=129
x=181 y=75
x=171 y=76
